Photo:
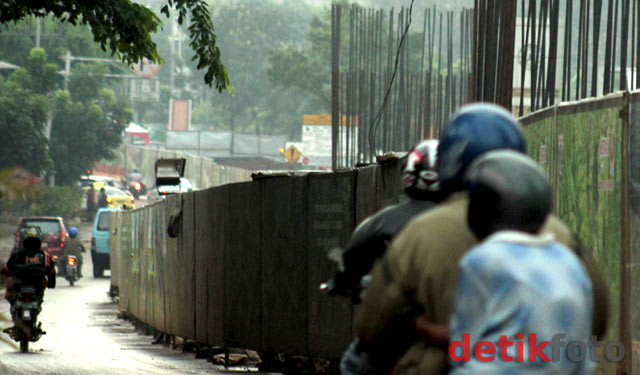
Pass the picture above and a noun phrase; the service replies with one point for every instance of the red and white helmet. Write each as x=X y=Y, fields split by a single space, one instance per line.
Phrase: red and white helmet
x=419 y=173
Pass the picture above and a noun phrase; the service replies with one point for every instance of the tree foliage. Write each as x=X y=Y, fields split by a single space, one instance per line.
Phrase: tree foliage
x=247 y=31
x=23 y=114
x=125 y=28
x=88 y=121
x=57 y=38
x=62 y=201
x=306 y=70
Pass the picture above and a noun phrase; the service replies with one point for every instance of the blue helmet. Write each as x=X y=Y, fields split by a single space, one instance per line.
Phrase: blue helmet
x=73 y=232
x=472 y=131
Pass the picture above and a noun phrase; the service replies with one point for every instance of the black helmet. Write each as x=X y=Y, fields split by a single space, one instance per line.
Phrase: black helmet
x=31 y=243
x=507 y=191
x=418 y=174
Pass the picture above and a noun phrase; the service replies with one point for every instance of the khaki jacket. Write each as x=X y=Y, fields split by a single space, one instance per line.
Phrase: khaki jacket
x=74 y=246
x=418 y=275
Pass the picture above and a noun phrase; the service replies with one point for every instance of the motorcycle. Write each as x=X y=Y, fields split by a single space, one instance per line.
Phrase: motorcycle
x=338 y=286
x=71 y=270
x=137 y=188
x=24 y=313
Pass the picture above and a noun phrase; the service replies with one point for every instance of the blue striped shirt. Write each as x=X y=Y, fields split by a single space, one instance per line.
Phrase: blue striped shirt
x=516 y=285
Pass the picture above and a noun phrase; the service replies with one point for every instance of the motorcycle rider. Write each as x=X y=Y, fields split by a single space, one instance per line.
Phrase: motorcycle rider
x=102 y=198
x=73 y=246
x=135 y=176
x=24 y=233
x=371 y=238
x=418 y=273
x=135 y=183
x=509 y=201
x=39 y=271
x=92 y=205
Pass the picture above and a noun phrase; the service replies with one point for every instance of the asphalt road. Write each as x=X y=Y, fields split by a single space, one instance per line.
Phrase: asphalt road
x=84 y=336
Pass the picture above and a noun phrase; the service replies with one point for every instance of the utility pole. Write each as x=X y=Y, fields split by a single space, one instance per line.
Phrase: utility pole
x=176 y=36
x=51 y=174
x=173 y=60
x=67 y=69
x=68 y=59
x=38 y=27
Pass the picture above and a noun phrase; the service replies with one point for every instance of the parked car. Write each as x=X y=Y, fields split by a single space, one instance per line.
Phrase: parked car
x=100 y=253
x=117 y=198
x=96 y=182
x=53 y=233
x=99 y=181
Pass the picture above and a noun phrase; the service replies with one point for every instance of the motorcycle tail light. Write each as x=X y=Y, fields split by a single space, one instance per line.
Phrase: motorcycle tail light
x=71 y=261
x=61 y=244
x=137 y=186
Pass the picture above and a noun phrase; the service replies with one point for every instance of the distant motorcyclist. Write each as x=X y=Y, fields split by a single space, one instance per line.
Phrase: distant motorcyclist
x=102 y=198
x=370 y=239
x=135 y=176
x=29 y=266
x=74 y=247
x=135 y=183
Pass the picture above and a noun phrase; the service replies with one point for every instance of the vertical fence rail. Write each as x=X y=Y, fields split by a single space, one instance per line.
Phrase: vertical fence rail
x=600 y=50
x=430 y=66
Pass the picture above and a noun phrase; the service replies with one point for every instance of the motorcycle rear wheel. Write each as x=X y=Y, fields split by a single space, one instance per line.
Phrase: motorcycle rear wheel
x=24 y=345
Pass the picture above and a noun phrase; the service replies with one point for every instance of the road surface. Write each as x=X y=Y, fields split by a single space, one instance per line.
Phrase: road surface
x=84 y=336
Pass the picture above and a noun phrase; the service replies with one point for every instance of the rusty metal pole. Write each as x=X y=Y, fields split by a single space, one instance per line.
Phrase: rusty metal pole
x=614 y=47
x=637 y=34
x=335 y=82
x=580 y=49
x=597 y=15
x=608 y=50
x=534 y=56
x=508 y=49
x=569 y=26
x=624 y=44
x=585 y=51
x=550 y=96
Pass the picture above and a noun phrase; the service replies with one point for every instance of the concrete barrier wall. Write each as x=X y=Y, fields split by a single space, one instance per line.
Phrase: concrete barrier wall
x=245 y=269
